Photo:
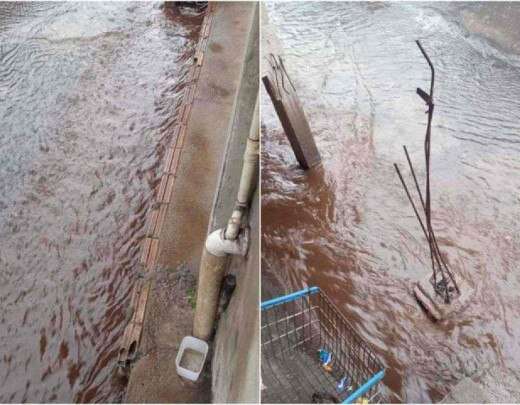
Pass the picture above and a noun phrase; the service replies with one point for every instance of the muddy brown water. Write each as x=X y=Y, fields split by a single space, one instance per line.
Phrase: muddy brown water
x=88 y=95
x=347 y=226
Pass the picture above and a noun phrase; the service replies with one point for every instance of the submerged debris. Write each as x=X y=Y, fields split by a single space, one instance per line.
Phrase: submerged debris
x=442 y=280
x=287 y=105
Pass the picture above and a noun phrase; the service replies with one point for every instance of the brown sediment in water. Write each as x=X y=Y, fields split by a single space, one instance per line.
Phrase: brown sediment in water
x=77 y=182
x=348 y=227
x=498 y=22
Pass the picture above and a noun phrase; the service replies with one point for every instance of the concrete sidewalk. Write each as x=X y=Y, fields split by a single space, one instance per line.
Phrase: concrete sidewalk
x=169 y=311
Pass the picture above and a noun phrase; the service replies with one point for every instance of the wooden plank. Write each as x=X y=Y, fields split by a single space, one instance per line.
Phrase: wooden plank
x=434 y=304
x=290 y=112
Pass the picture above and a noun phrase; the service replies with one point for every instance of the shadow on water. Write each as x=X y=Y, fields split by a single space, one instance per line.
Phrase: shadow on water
x=348 y=227
x=88 y=94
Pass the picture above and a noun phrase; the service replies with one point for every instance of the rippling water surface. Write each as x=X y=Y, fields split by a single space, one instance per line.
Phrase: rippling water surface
x=88 y=93
x=348 y=227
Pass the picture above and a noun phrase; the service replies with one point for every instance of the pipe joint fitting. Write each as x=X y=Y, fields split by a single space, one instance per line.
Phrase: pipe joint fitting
x=218 y=245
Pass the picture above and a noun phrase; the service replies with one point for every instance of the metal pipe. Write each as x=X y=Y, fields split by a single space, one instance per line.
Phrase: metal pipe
x=414 y=176
x=427 y=208
x=231 y=240
x=437 y=261
x=434 y=247
x=429 y=237
x=411 y=200
x=432 y=81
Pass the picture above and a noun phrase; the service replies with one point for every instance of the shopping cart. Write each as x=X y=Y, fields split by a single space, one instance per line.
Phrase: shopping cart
x=311 y=354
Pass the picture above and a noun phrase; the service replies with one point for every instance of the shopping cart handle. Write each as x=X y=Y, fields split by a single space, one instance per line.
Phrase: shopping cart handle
x=365 y=387
x=288 y=298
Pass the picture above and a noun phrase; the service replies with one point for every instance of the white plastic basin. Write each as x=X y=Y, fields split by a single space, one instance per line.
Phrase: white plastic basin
x=191 y=357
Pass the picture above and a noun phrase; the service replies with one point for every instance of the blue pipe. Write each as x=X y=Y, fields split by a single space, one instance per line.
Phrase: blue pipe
x=288 y=298
x=365 y=387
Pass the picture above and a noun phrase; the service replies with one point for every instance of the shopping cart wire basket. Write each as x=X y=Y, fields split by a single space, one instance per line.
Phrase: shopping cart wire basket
x=311 y=354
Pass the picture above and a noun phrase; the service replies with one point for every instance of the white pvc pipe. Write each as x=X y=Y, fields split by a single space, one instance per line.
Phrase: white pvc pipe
x=248 y=179
x=218 y=246
x=226 y=241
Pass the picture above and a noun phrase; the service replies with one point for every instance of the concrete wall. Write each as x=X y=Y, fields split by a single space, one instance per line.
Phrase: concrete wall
x=235 y=365
x=236 y=350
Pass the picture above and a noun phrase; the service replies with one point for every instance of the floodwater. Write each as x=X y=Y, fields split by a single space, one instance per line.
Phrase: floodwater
x=347 y=226
x=88 y=94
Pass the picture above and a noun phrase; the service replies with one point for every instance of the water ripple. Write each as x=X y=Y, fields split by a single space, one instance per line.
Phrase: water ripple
x=348 y=227
x=88 y=96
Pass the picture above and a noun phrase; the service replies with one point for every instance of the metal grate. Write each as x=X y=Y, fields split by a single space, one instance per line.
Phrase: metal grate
x=295 y=328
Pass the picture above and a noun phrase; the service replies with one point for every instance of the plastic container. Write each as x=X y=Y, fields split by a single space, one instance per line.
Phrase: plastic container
x=191 y=357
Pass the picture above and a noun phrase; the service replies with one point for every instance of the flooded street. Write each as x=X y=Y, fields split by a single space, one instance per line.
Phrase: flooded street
x=348 y=227
x=88 y=93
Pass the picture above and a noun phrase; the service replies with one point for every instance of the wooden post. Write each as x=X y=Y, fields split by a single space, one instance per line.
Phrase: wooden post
x=290 y=112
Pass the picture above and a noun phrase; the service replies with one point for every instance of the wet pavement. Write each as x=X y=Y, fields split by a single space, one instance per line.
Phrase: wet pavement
x=347 y=226
x=88 y=95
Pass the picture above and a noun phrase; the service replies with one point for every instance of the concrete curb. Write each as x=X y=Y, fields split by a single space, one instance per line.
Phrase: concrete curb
x=149 y=246
x=181 y=228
